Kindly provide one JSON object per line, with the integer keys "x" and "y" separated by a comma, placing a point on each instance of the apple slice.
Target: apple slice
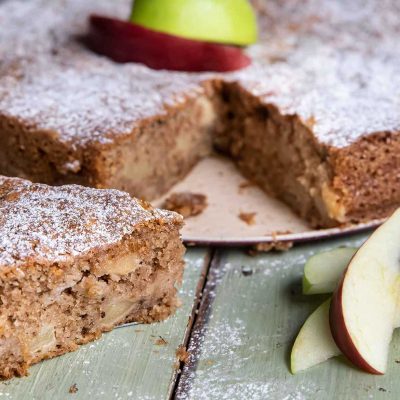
{"x": 126, "y": 42}
{"x": 363, "y": 311}
{"x": 222, "y": 21}
{"x": 314, "y": 343}
{"x": 323, "y": 271}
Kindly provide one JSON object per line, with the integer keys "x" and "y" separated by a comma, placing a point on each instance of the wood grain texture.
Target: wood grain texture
{"x": 131, "y": 362}
{"x": 252, "y": 309}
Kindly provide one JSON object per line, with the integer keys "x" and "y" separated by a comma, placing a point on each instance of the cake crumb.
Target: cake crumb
{"x": 265, "y": 247}
{"x": 248, "y": 217}
{"x": 161, "y": 341}
{"x": 187, "y": 204}
{"x": 245, "y": 185}
{"x": 73, "y": 388}
{"x": 182, "y": 354}
{"x": 275, "y": 244}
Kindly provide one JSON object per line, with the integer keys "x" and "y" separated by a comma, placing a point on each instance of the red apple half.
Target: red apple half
{"x": 124, "y": 41}
{"x": 363, "y": 310}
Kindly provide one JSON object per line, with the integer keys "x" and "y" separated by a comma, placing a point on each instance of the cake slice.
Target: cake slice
{"x": 76, "y": 262}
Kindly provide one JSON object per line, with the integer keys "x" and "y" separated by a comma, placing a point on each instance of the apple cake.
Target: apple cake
{"x": 314, "y": 120}
{"x": 76, "y": 262}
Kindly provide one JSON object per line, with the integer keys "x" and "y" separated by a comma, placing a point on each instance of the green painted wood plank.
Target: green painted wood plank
{"x": 251, "y": 311}
{"x": 123, "y": 364}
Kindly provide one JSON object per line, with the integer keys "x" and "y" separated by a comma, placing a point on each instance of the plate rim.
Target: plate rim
{"x": 299, "y": 237}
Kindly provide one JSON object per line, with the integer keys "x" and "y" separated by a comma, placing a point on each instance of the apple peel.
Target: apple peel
{"x": 125, "y": 42}
{"x": 364, "y": 306}
{"x": 221, "y": 21}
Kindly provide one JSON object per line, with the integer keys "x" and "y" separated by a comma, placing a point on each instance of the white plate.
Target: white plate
{"x": 229, "y": 195}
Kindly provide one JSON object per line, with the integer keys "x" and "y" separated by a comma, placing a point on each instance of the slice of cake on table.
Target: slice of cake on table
{"x": 76, "y": 262}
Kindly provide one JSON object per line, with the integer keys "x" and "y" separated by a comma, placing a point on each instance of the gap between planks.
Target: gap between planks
{"x": 208, "y": 264}
{"x": 201, "y": 313}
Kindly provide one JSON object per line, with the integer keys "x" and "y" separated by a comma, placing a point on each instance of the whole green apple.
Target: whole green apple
{"x": 221, "y": 21}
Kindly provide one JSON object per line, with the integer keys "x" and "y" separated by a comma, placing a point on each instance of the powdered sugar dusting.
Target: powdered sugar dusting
{"x": 89, "y": 99}
{"x": 337, "y": 62}
{"x": 55, "y": 223}
{"x": 224, "y": 346}
{"x": 48, "y": 79}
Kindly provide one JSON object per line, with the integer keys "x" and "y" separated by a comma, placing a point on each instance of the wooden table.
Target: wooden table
{"x": 239, "y": 317}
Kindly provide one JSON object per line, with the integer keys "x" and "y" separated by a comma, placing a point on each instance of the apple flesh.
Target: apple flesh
{"x": 363, "y": 310}
{"x": 314, "y": 343}
{"x": 125, "y": 42}
{"x": 221, "y": 21}
{"x": 323, "y": 271}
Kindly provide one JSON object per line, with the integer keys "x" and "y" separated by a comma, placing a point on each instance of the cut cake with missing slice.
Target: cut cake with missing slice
{"x": 314, "y": 120}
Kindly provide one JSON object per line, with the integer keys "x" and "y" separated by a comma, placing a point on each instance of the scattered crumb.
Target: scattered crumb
{"x": 161, "y": 341}
{"x": 73, "y": 388}
{"x": 182, "y": 354}
{"x": 247, "y": 271}
{"x": 381, "y": 389}
{"x": 397, "y": 361}
{"x": 265, "y": 247}
{"x": 186, "y": 203}
{"x": 273, "y": 59}
{"x": 275, "y": 234}
{"x": 139, "y": 330}
{"x": 249, "y": 218}
{"x": 275, "y": 244}
{"x": 244, "y": 185}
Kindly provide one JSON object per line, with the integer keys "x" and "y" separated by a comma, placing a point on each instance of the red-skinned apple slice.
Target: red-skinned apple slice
{"x": 126, "y": 42}
{"x": 363, "y": 311}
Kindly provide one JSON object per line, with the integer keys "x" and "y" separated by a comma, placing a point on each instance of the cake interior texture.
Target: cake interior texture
{"x": 76, "y": 262}
{"x": 324, "y": 185}
{"x": 313, "y": 121}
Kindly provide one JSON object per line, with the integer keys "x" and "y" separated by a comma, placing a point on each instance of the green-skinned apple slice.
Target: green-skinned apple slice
{"x": 363, "y": 310}
{"x": 221, "y": 21}
{"x": 314, "y": 343}
{"x": 323, "y": 271}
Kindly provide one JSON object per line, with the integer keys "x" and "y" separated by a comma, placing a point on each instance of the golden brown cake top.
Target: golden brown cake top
{"x": 53, "y": 224}
{"x": 335, "y": 63}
